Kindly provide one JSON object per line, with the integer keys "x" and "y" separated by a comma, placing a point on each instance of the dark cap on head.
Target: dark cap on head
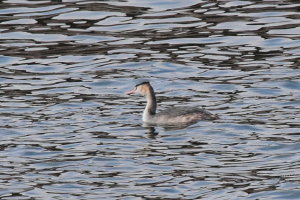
{"x": 141, "y": 82}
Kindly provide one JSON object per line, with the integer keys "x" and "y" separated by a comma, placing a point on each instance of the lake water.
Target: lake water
{"x": 68, "y": 131}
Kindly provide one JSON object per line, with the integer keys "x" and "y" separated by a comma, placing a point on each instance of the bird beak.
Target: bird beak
{"x": 130, "y": 92}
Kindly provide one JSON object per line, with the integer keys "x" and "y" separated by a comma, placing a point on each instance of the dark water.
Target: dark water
{"x": 69, "y": 132}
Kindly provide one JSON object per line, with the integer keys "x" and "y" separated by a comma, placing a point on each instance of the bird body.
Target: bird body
{"x": 182, "y": 114}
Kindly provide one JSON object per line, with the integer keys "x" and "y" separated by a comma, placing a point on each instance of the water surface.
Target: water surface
{"x": 69, "y": 131}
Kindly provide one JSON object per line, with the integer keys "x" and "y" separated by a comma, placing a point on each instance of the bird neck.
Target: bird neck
{"x": 150, "y": 109}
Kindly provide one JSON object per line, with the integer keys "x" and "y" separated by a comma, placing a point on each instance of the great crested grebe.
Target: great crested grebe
{"x": 169, "y": 116}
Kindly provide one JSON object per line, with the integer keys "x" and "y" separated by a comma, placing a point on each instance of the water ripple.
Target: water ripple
{"x": 69, "y": 131}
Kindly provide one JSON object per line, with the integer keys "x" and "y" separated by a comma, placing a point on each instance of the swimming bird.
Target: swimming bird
{"x": 174, "y": 115}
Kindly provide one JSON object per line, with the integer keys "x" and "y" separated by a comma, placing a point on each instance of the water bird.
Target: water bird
{"x": 174, "y": 115}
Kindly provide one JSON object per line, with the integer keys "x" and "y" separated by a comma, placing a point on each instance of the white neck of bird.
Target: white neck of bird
{"x": 150, "y": 109}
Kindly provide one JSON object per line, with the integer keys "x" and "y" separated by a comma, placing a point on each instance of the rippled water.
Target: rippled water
{"x": 68, "y": 131}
